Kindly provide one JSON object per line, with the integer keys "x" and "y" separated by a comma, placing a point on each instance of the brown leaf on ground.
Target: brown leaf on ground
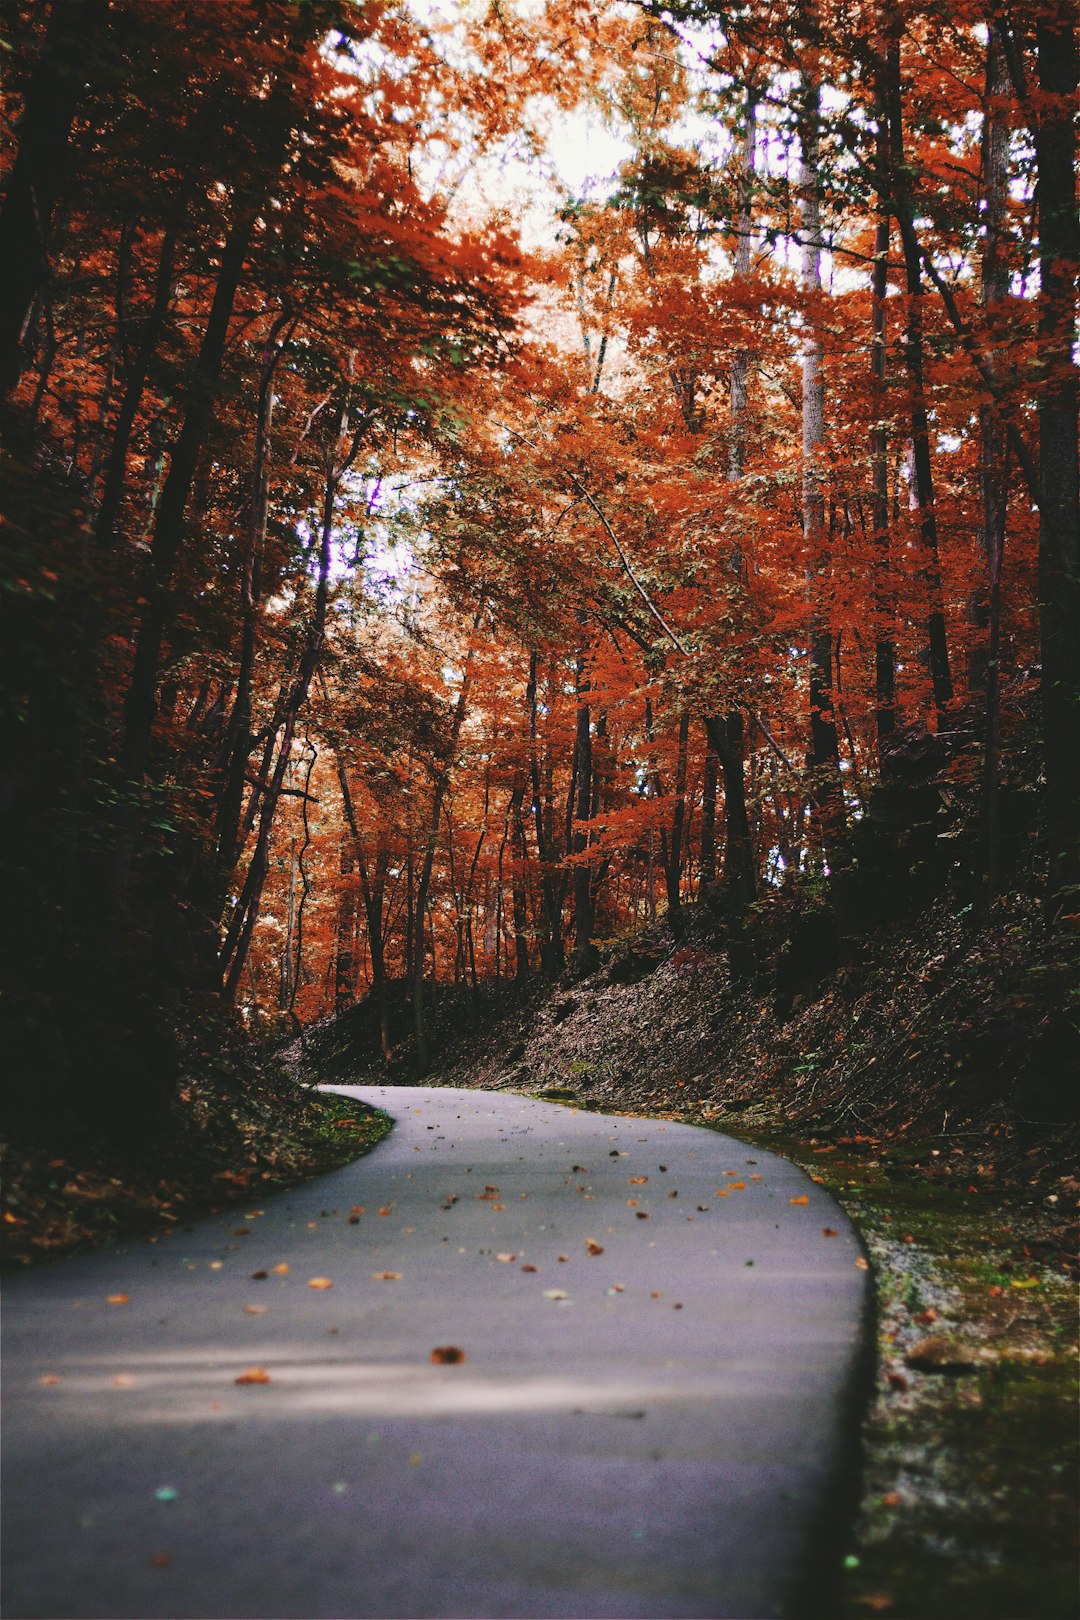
{"x": 829, "y": 1231}
{"x": 377, "y": 1276}
{"x": 638, "y": 1181}
{"x": 863, "y": 1265}
{"x": 118, "y": 1299}
{"x": 642, "y": 1214}
{"x": 387, "y": 1209}
{"x": 254, "y": 1375}
{"x": 447, "y": 1355}
{"x": 255, "y": 1310}
{"x": 320, "y": 1282}
{"x": 803, "y": 1198}
{"x": 592, "y": 1247}
{"x": 528, "y": 1268}
{"x": 259, "y": 1276}
{"x": 280, "y": 1271}
{"x": 49, "y": 1380}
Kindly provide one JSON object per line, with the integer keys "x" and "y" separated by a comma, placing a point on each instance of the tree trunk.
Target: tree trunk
{"x": 922, "y": 486}
{"x": 73, "y": 38}
{"x": 1059, "y": 515}
{"x": 112, "y": 488}
{"x": 824, "y": 746}
{"x": 884, "y": 603}
{"x": 585, "y": 952}
{"x": 441, "y": 784}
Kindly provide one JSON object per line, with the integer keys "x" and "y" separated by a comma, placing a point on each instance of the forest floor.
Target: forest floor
{"x": 237, "y": 1134}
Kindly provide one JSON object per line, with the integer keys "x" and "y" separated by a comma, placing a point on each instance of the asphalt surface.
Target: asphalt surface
{"x": 654, "y": 1425}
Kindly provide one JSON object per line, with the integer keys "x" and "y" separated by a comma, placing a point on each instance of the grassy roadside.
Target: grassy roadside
{"x": 969, "y": 1494}
{"x": 232, "y": 1141}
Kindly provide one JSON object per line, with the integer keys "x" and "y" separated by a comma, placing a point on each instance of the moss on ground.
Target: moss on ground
{"x": 969, "y": 1499}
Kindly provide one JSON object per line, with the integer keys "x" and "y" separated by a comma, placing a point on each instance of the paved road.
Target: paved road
{"x": 651, "y": 1429}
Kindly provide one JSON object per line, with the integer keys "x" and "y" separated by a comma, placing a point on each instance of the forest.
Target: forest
{"x": 418, "y": 571}
{"x": 541, "y": 552}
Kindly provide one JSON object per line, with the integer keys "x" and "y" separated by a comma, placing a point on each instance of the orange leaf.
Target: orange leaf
{"x": 281, "y": 1270}
{"x": 379, "y": 1276}
{"x": 254, "y": 1375}
{"x": 592, "y": 1247}
{"x": 447, "y": 1355}
{"x": 802, "y": 1199}
{"x": 320, "y": 1282}
{"x": 118, "y": 1299}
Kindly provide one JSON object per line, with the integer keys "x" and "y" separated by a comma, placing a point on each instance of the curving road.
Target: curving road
{"x": 654, "y": 1425}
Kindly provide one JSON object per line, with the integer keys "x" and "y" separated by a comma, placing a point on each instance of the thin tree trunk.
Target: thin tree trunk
{"x": 585, "y": 952}
{"x": 884, "y": 603}
{"x": 1059, "y": 514}
{"x": 112, "y": 488}
{"x": 922, "y": 464}
{"x": 824, "y": 746}
{"x": 441, "y": 784}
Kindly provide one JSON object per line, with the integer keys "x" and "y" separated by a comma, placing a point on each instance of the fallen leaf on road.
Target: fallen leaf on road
{"x": 254, "y": 1375}
{"x": 387, "y": 1209}
{"x": 260, "y": 1276}
{"x": 564, "y": 1257}
{"x": 356, "y": 1209}
{"x": 556, "y": 1293}
{"x": 280, "y": 1271}
{"x": 320, "y": 1282}
{"x": 378, "y": 1276}
{"x": 802, "y": 1199}
{"x": 528, "y": 1268}
{"x": 447, "y": 1355}
{"x": 48, "y": 1380}
{"x": 122, "y": 1381}
{"x": 721, "y": 1192}
{"x": 216, "y": 1265}
{"x": 638, "y": 1181}
{"x": 506, "y": 1258}
{"x": 592, "y": 1247}
{"x": 118, "y": 1299}
{"x": 641, "y": 1214}
{"x": 354, "y": 1220}
{"x": 703, "y": 1209}
{"x": 241, "y": 1231}
{"x": 618, "y": 1288}
{"x": 254, "y": 1310}
{"x": 863, "y": 1265}
{"x": 656, "y": 1296}
{"x": 737, "y": 1186}
{"x": 829, "y": 1231}
{"x": 415, "y": 1460}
